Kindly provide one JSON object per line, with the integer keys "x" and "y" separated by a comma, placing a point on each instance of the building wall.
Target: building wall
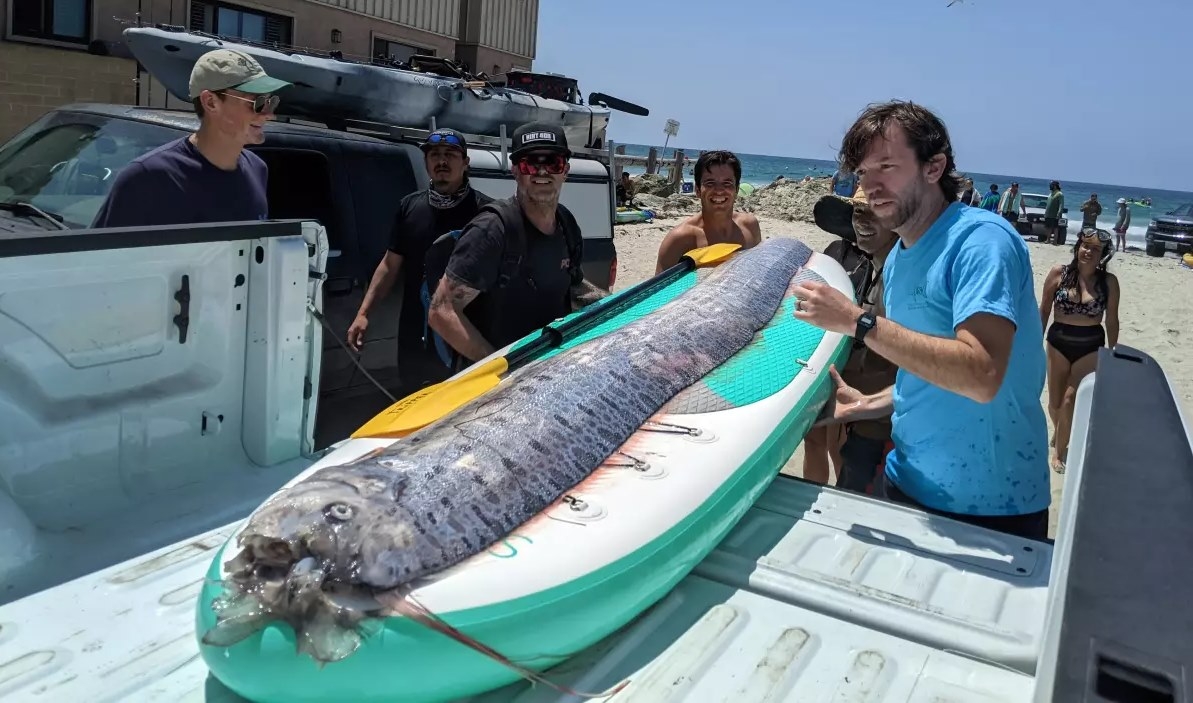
{"x": 35, "y": 79}
{"x": 36, "y": 76}
{"x": 440, "y": 17}
{"x": 508, "y": 28}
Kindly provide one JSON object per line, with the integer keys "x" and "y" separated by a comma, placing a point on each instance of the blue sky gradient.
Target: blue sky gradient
{"x": 1087, "y": 90}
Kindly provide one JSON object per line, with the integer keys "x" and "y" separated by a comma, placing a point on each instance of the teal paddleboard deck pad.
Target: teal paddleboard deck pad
{"x": 610, "y": 548}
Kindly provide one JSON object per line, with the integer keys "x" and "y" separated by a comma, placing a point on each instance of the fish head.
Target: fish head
{"x": 330, "y": 517}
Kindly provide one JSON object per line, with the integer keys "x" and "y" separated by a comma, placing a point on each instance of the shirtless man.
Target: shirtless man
{"x": 718, "y": 176}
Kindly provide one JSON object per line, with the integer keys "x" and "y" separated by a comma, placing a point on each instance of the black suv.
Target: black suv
{"x": 1172, "y": 231}
{"x": 62, "y": 166}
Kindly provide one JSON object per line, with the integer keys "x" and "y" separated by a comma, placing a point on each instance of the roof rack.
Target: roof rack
{"x": 418, "y": 134}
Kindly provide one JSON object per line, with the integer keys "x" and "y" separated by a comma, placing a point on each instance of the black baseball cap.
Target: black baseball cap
{"x": 539, "y": 136}
{"x": 448, "y": 137}
{"x": 834, "y": 214}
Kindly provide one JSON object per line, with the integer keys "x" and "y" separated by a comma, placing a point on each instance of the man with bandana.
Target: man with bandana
{"x": 448, "y": 204}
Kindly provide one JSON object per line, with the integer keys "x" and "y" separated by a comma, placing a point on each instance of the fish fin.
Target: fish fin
{"x": 228, "y": 631}
{"x": 326, "y": 640}
{"x": 418, "y": 613}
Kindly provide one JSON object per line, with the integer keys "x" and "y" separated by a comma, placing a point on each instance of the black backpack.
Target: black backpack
{"x": 513, "y": 224}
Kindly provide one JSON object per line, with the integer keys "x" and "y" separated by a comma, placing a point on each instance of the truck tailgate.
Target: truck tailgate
{"x": 817, "y": 594}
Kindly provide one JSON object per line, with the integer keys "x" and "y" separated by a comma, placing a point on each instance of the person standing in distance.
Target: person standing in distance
{"x": 449, "y": 203}
{"x": 207, "y": 176}
{"x": 961, "y": 324}
{"x": 516, "y": 266}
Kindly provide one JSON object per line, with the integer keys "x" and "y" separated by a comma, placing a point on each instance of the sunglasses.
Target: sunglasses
{"x": 261, "y": 103}
{"x": 555, "y": 164}
{"x": 444, "y": 139}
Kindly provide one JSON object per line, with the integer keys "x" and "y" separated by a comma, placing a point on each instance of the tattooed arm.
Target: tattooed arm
{"x": 446, "y": 317}
{"x": 585, "y": 293}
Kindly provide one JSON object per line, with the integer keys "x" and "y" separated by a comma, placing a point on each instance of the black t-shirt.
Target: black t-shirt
{"x": 537, "y": 295}
{"x": 175, "y": 184}
{"x": 417, "y": 225}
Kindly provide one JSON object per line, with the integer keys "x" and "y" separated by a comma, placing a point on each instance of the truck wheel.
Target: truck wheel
{"x": 1154, "y": 249}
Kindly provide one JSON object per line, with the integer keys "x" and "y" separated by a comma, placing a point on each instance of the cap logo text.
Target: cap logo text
{"x": 535, "y": 136}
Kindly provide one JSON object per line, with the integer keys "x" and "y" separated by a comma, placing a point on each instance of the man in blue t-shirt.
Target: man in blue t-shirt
{"x": 963, "y": 326}
{"x": 207, "y": 176}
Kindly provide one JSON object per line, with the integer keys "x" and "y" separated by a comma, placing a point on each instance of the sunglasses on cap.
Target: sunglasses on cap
{"x": 444, "y": 139}
{"x": 529, "y": 165}
{"x": 261, "y": 103}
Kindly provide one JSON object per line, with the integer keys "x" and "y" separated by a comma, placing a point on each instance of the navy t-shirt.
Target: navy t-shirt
{"x": 175, "y": 184}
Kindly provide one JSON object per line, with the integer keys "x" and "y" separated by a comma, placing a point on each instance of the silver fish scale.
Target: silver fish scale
{"x": 471, "y": 478}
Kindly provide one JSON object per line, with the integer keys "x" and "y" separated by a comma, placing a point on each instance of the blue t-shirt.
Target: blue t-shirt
{"x": 846, "y": 182}
{"x": 952, "y": 453}
{"x": 175, "y": 184}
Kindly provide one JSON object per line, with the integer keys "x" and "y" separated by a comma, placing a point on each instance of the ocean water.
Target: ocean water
{"x": 759, "y": 170}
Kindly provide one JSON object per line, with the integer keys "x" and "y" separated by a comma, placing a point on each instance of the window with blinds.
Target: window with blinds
{"x": 227, "y": 20}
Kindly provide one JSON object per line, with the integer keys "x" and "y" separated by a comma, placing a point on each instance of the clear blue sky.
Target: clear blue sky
{"x": 1087, "y": 90}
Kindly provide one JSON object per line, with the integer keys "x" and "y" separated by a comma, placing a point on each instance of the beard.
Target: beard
{"x": 907, "y": 203}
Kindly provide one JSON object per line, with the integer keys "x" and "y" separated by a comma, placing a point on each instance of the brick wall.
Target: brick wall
{"x": 34, "y": 79}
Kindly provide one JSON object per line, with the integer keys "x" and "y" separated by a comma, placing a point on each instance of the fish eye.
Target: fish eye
{"x": 340, "y": 512}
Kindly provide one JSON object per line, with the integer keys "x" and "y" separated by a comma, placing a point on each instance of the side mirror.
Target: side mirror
{"x": 1065, "y": 211}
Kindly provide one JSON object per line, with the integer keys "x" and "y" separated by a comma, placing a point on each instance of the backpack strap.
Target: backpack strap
{"x": 573, "y": 237}
{"x": 444, "y": 244}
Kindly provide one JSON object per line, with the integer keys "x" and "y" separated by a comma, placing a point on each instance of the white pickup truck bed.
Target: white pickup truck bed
{"x": 817, "y": 594}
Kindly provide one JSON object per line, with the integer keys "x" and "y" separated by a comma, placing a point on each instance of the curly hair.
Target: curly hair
{"x": 926, "y": 135}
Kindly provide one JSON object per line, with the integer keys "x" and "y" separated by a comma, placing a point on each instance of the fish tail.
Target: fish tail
{"x": 419, "y": 613}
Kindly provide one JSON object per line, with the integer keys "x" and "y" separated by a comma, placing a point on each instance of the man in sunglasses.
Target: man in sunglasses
{"x": 516, "y": 266}
{"x": 207, "y": 176}
{"x": 448, "y": 204}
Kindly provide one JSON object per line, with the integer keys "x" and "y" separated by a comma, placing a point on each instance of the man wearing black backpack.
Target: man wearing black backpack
{"x": 516, "y": 266}
{"x": 447, "y": 204}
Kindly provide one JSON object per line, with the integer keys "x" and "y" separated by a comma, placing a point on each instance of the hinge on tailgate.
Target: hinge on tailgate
{"x": 183, "y": 318}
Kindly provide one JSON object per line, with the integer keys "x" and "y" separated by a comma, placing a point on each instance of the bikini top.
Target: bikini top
{"x": 1068, "y": 306}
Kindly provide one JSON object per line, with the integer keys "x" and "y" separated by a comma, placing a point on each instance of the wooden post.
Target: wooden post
{"x": 652, "y": 159}
{"x": 677, "y": 170}
{"x": 619, "y": 167}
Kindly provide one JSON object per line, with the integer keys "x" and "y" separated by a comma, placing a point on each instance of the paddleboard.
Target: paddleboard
{"x": 626, "y": 215}
{"x": 590, "y": 563}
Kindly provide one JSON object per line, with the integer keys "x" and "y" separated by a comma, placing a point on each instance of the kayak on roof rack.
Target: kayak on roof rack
{"x": 437, "y": 94}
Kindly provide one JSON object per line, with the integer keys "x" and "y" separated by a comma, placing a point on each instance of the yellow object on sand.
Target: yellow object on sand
{"x": 427, "y": 405}
{"x": 1188, "y": 259}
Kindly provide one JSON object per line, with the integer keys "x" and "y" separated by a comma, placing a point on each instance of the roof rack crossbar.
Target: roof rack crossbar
{"x": 420, "y": 133}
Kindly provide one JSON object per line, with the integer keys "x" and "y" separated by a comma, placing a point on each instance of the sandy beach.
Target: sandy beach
{"x": 1150, "y": 314}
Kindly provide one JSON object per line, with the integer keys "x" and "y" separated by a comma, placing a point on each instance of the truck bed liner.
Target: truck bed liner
{"x": 814, "y": 588}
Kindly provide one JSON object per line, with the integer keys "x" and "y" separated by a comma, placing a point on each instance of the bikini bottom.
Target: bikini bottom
{"x": 1075, "y": 341}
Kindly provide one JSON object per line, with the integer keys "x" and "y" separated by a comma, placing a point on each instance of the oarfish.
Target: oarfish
{"x": 318, "y": 553}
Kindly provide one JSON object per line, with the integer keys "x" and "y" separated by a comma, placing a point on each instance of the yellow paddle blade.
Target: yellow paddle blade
{"x": 427, "y": 405}
{"x": 713, "y": 253}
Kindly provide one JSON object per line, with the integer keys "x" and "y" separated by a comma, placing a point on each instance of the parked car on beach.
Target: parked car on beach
{"x": 1172, "y": 231}
{"x": 1031, "y": 222}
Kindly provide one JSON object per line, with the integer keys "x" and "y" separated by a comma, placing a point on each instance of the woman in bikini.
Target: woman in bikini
{"x": 1081, "y": 293}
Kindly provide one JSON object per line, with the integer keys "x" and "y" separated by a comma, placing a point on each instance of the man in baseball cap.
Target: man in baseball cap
{"x": 516, "y": 266}
{"x": 538, "y": 137}
{"x": 207, "y": 176}
{"x": 225, "y": 69}
{"x": 857, "y": 449}
{"x": 420, "y": 239}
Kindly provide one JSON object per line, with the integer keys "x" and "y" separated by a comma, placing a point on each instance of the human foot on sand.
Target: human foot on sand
{"x": 1058, "y": 464}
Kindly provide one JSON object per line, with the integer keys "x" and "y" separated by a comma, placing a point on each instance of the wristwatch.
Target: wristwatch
{"x": 865, "y": 323}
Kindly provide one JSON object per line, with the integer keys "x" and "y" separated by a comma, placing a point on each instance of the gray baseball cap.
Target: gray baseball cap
{"x": 224, "y": 68}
